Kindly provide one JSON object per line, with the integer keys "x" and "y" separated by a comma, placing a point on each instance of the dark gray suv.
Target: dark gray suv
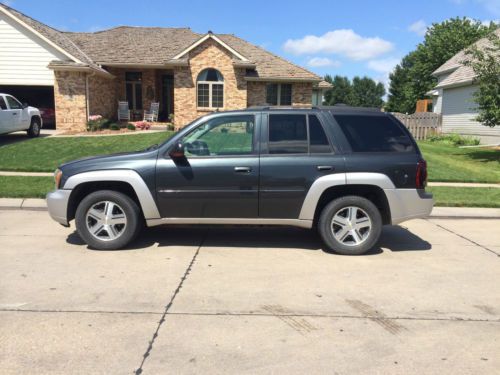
{"x": 345, "y": 171}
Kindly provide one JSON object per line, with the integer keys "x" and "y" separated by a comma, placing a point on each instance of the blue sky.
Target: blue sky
{"x": 337, "y": 37}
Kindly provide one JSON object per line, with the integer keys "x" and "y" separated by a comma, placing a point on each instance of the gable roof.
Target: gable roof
{"x": 459, "y": 74}
{"x": 52, "y": 36}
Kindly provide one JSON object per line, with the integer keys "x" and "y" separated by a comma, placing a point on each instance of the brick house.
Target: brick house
{"x": 188, "y": 73}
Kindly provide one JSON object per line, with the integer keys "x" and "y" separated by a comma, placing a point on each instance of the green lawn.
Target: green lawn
{"x": 25, "y": 187}
{"x": 452, "y": 164}
{"x": 465, "y": 197}
{"x": 45, "y": 154}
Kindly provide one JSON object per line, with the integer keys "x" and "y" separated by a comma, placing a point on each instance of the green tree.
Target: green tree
{"x": 340, "y": 92}
{"x": 367, "y": 93}
{"x": 412, "y": 78}
{"x": 485, "y": 62}
{"x": 361, "y": 92}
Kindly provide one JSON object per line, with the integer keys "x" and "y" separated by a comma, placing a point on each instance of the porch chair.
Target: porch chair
{"x": 123, "y": 111}
{"x": 152, "y": 114}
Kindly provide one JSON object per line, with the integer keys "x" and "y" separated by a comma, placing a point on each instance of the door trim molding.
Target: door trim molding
{"x": 230, "y": 221}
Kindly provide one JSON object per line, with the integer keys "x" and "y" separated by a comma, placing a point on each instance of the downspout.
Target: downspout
{"x": 87, "y": 92}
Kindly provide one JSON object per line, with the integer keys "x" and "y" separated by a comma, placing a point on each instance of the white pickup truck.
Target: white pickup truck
{"x": 15, "y": 116}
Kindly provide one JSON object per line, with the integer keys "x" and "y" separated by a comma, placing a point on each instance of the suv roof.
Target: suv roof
{"x": 338, "y": 108}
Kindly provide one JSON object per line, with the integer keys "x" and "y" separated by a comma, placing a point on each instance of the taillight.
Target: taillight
{"x": 421, "y": 178}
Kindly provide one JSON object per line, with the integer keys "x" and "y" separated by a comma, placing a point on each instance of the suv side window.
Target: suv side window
{"x": 367, "y": 133}
{"x": 220, "y": 136}
{"x": 2, "y": 103}
{"x": 318, "y": 141}
{"x": 13, "y": 103}
{"x": 288, "y": 134}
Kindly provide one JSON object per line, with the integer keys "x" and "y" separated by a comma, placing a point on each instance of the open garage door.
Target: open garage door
{"x": 41, "y": 97}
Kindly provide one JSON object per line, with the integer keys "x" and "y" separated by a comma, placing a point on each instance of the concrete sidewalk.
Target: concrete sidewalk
{"x": 437, "y": 212}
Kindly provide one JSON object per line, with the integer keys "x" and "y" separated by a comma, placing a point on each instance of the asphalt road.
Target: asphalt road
{"x": 249, "y": 300}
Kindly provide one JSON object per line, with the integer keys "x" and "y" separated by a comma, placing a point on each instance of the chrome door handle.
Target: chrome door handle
{"x": 325, "y": 168}
{"x": 242, "y": 169}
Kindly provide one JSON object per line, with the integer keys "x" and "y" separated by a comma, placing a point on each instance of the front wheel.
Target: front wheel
{"x": 108, "y": 220}
{"x": 350, "y": 225}
{"x": 35, "y": 127}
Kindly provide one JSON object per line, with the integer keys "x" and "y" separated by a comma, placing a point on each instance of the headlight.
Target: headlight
{"x": 57, "y": 177}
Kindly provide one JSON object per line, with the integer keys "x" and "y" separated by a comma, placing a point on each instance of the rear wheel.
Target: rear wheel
{"x": 35, "y": 127}
{"x": 108, "y": 220}
{"x": 350, "y": 225}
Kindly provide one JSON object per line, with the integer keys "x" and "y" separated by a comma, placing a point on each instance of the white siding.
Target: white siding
{"x": 437, "y": 102}
{"x": 458, "y": 109}
{"x": 24, "y": 56}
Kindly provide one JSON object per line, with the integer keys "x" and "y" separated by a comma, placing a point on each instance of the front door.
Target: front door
{"x": 167, "y": 97}
{"x": 219, "y": 176}
{"x": 296, "y": 151}
{"x": 16, "y": 114}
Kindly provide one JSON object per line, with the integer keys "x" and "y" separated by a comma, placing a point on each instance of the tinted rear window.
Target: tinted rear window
{"x": 374, "y": 134}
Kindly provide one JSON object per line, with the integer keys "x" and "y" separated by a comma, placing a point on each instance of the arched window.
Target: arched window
{"x": 210, "y": 89}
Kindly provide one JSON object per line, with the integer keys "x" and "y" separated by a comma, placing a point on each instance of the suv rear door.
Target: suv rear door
{"x": 297, "y": 148}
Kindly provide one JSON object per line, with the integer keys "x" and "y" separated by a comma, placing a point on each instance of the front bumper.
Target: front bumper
{"x": 407, "y": 204}
{"x": 57, "y": 203}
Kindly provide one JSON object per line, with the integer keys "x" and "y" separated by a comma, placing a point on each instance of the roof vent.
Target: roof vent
{"x": 210, "y": 32}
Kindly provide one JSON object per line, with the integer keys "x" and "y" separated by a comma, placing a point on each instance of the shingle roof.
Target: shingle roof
{"x": 459, "y": 73}
{"x": 156, "y": 45}
{"x": 55, "y": 36}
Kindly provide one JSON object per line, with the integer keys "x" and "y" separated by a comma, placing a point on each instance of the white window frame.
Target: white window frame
{"x": 278, "y": 101}
{"x": 210, "y": 89}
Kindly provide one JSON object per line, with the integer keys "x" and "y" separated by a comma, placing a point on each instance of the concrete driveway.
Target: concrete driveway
{"x": 249, "y": 300}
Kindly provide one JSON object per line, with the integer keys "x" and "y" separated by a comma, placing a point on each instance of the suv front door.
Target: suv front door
{"x": 218, "y": 178}
{"x": 296, "y": 150}
{"x": 16, "y": 111}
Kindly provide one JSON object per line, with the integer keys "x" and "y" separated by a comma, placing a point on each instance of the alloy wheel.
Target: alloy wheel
{"x": 106, "y": 220}
{"x": 351, "y": 226}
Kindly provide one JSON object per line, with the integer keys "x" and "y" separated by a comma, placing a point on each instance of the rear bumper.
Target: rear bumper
{"x": 406, "y": 204}
{"x": 57, "y": 203}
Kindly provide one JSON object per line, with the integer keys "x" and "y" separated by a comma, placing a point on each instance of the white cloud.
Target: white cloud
{"x": 318, "y": 62}
{"x": 343, "y": 42}
{"x": 383, "y": 65}
{"x": 419, "y": 27}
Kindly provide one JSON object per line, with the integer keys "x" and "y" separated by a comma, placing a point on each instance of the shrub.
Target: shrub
{"x": 142, "y": 125}
{"x": 454, "y": 139}
{"x": 114, "y": 127}
{"x": 97, "y": 122}
{"x": 170, "y": 126}
{"x": 130, "y": 126}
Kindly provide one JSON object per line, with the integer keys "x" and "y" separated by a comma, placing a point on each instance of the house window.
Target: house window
{"x": 210, "y": 89}
{"x": 133, "y": 88}
{"x": 279, "y": 94}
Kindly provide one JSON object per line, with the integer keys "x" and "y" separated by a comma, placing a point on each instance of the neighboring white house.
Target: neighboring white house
{"x": 452, "y": 97}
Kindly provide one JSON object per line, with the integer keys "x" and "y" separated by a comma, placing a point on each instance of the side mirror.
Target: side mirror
{"x": 25, "y": 105}
{"x": 177, "y": 151}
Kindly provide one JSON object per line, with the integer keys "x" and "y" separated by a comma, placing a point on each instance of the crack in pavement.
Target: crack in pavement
{"x": 168, "y": 306}
{"x": 257, "y": 314}
{"x": 465, "y": 238}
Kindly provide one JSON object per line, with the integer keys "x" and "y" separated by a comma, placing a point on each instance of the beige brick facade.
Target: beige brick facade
{"x": 207, "y": 55}
{"x": 70, "y": 100}
{"x": 102, "y": 96}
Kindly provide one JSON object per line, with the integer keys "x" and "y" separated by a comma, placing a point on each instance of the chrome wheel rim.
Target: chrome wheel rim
{"x": 351, "y": 226}
{"x": 36, "y": 128}
{"x": 106, "y": 221}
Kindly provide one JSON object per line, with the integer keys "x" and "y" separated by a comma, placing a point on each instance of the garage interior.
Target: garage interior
{"x": 41, "y": 97}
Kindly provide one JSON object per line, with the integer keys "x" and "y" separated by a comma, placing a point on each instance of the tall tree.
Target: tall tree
{"x": 340, "y": 92}
{"x": 412, "y": 78}
{"x": 361, "y": 92}
{"x": 486, "y": 65}
{"x": 367, "y": 93}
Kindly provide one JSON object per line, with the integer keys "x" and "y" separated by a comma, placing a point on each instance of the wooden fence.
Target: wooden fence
{"x": 421, "y": 124}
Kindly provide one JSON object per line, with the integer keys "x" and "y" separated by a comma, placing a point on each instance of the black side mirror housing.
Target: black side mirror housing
{"x": 177, "y": 151}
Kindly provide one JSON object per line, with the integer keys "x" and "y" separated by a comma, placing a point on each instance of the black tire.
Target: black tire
{"x": 132, "y": 212}
{"x": 35, "y": 127}
{"x": 325, "y": 225}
